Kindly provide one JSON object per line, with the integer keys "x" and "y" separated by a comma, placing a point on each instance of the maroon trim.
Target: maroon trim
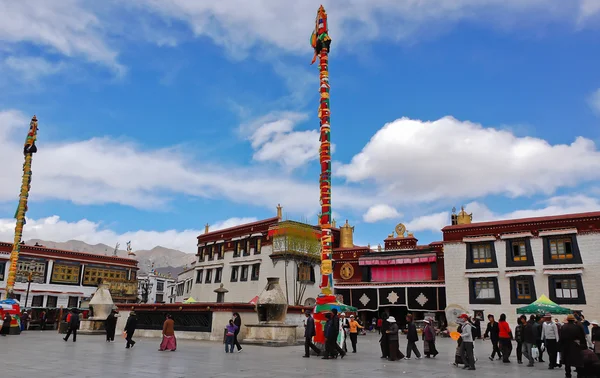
{"x": 584, "y": 222}
{"x": 231, "y": 232}
{"x": 29, "y": 250}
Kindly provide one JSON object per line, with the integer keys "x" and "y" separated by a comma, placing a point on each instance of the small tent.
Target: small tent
{"x": 543, "y": 306}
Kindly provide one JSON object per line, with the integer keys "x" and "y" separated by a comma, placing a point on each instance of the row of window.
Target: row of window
{"x": 563, "y": 289}
{"x": 238, "y": 273}
{"x": 240, "y": 248}
{"x": 51, "y": 301}
{"x": 556, "y": 250}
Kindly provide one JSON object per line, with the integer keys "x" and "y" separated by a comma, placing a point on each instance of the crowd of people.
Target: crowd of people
{"x": 570, "y": 343}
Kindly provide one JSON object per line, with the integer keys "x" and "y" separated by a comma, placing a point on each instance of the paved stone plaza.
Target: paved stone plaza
{"x": 44, "y": 354}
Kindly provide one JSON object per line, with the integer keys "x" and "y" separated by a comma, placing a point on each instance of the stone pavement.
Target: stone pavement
{"x": 43, "y": 354}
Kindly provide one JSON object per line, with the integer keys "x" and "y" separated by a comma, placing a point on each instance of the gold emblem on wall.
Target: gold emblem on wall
{"x": 347, "y": 271}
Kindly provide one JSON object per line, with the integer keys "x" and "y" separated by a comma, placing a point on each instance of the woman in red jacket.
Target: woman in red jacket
{"x": 505, "y": 336}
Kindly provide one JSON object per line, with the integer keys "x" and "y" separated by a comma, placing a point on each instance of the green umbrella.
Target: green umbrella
{"x": 544, "y": 306}
{"x": 327, "y": 307}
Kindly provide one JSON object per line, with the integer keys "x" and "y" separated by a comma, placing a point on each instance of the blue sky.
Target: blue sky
{"x": 157, "y": 117}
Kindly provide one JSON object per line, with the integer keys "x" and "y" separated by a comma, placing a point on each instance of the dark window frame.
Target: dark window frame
{"x": 510, "y": 260}
{"x": 201, "y": 254}
{"x": 40, "y": 298}
{"x": 566, "y": 301}
{"x": 211, "y": 253}
{"x": 199, "y": 274}
{"x": 244, "y": 268}
{"x": 576, "y": 259}
{"x": 474, "y": 300}
{"x": 235, "y": 274}
{"x": 208, "y": 276}
{"x": 218, "y": 275}
{"x": 2, "y": 270}
{"x": 247, "y": 245}
{"x": 255, "y": 275}
{"x": 236, "y": 248}
{"x": 221, "y": 251}
{"x": 257, "y": 245}
{"x": 471, "y": 265}
{"x": 514, "y": 297}
{"x": 55, "y": 299}
{"x": 76, "y": 301}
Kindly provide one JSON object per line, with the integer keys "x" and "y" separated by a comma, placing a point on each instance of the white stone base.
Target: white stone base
{"x": 92, "y": 327}
{"x": 271, "y": 334}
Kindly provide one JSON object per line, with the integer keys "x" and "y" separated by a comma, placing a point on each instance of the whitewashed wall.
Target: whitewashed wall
{"x": 457, "y": 284}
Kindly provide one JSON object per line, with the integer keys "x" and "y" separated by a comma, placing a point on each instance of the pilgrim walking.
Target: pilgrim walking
{"x": 429, "y": 348}
{"x": 237, "y": 321}
{"x": 169, "y": 342}
{"x": 309, "y": 332}
{"x": 466, "y": 346}
{"x": 73, "y": 325}
{"x": 412, "y": 338}
{"x": 354, "y": 327}
{"x": 383, "y": 341}
{"x": 393, "y": 343}
{"x": 130, "y": 329}
{"x": 111, "y": 326}
{"x": 493, "y": 333}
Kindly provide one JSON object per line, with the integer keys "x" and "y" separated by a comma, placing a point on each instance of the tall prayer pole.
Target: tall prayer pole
{"x": 321, "y": 43}
{"x": 28, "y": 150}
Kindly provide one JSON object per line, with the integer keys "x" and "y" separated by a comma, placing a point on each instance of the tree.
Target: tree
{"x": 300, "y": 244}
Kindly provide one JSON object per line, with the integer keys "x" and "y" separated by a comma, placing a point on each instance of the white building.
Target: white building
{"x": 153, "y": 287}
{"x": 241, "y": 258}
{"x": 181, "y": 289}
{"x": 497, "y": 267}
{"x": 61, "y": 278}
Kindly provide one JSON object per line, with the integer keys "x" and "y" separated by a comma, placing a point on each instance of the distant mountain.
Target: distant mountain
{"x": 168, "y": 260}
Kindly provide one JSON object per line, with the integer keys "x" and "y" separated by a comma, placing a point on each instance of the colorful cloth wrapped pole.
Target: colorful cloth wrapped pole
{"x": 29, "y": 149}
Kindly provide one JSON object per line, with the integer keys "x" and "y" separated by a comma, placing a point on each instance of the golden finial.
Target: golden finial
{"x": 279, "y": 212}
{"x": 206, "y": 226}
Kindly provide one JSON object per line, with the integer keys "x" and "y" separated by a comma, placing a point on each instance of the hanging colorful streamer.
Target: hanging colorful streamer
{"x": 321, "y": 43}
{"x": 29, "y": 149}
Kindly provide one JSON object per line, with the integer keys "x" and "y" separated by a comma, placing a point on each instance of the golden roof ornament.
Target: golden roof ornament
{"x": 279, "y": 211}
{"x": 463, "y": 217}
{"x": 400, "y": 230}
{"x": 346, "y": 235}
{"x": 206, "y": 226}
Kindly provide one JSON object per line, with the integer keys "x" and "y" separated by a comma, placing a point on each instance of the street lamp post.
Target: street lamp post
{"x": 29, "y": 280}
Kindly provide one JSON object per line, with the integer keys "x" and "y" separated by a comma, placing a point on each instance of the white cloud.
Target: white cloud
{"x": 68, "y": 27}
{"x": 57, "y": 230}
{"x": 380, "y": 212}
{"x": 103, "y": 170}
{"x": 32, "y": 68}
{"x": 432, "y": 222}
{"x": 447, "y": 158}
{"x": 558, "y": 205}
{"x": 594, "y": 99}
{"x": 274, "y": 139}
{"x": 240, "y": 25}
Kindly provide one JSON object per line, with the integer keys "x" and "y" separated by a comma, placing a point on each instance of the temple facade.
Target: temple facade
{"x": 496, "y": 267}
{"x": 61, "y": 278}
{"x": 233, "y": 264}
{"x": 399, "y": 278}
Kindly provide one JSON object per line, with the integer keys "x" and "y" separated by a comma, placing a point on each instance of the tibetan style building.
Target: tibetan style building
{"x": 400, "y": 278}
{"x": 233, "y": 264}
{"x": 66, "y": 278}
{"x": 496, "y": 267}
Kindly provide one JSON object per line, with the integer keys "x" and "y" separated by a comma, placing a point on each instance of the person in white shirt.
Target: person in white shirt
{"x": 550, "y": 338}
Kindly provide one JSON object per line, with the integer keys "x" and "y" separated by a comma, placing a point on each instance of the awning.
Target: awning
{"x": 400, "y": 260}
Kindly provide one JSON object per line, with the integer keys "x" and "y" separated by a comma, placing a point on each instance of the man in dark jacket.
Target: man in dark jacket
{"x": 237, "y": 321}
{"x": 111, "y": 326}
{"x": 335, "y": 332}
{"x": 412, "y": 338}
{"x": 519, "y": 338}
{"x": 130, "y": 328}
{"x": 384, "y": 340}
{"x": 493, "y": 332}
{"x": 572, "y": 343}
{"x": 309, "y": 333}
{"x": 528, "y": 338}
{"x": 73, "y": 325}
